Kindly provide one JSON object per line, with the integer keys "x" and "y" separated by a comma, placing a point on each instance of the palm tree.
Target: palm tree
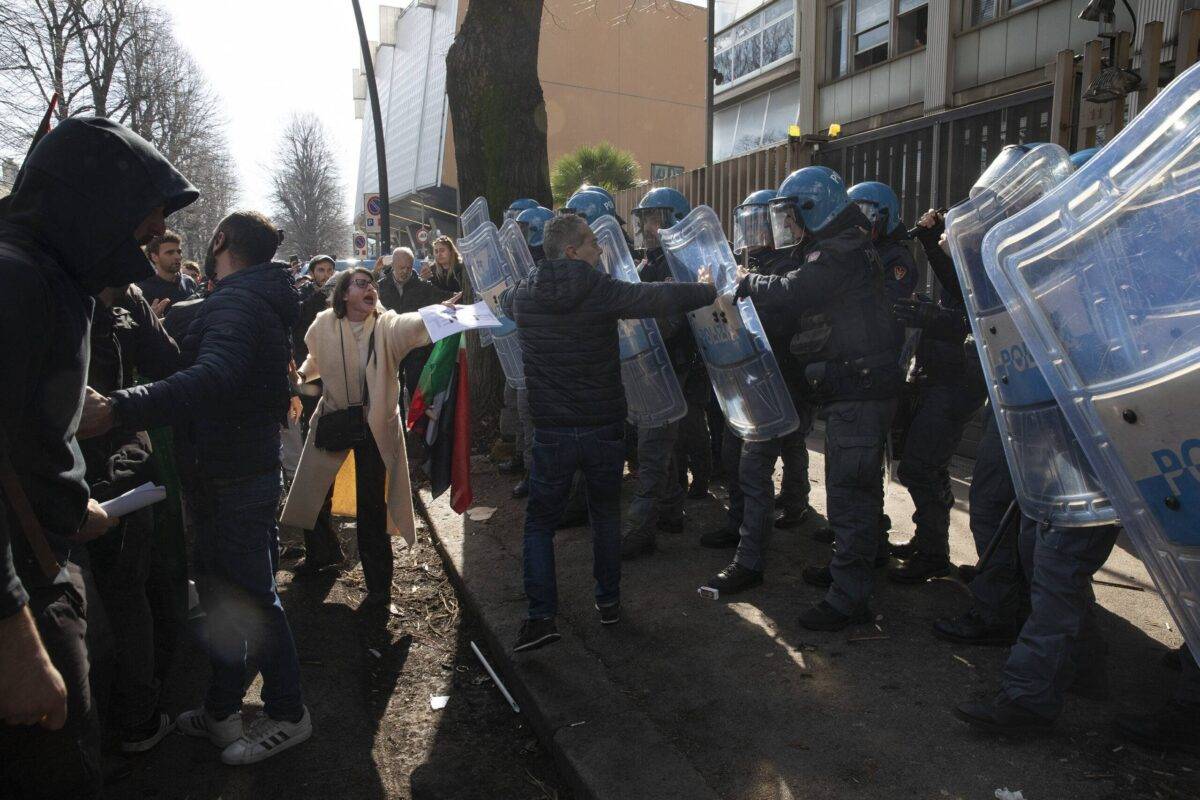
{"x": 601, "y": 165}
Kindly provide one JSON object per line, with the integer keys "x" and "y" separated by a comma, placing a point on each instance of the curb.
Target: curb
{"x": 603, "y": 745}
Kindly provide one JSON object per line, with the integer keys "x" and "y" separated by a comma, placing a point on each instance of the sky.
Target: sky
{"x": 268, "y": 59}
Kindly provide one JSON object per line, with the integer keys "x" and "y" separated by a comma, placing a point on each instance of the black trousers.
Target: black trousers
{"x": 35, "y": 762}
{"x": 374, "y": 544}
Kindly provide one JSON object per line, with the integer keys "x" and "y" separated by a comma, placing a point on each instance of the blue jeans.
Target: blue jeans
{"x": 237, "y": 554}
{"x": 599, "y": 453}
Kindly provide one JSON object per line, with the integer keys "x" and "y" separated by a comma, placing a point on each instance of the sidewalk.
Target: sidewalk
{"x": 690, "y": 698}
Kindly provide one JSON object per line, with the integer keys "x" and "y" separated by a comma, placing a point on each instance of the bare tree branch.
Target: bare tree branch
{"x": 307, "y": 190}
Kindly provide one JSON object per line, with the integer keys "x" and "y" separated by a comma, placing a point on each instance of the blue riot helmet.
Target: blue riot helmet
{"x": 1083, "y": 156}
{"x": 808, "y": 200}
{"x": 589, "y": 187}
{"x": 752, "y": 222}
{"x": 591, "y": 205}
{"x": 533, "y": 224}
{"x": 880, "y": 205}
{"x": 659, "y": 209}
{"x": 517, "y": 206}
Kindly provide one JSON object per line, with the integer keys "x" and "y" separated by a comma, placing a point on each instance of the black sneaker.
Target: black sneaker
{"x": 733, "y": 579}
{"x": 536, "y": 633}
{"x": 512, "y": 466}
{"x": 793, "y": 518}
{"x": 919, "y": 569}
{"x": 148, "y": 734}
{"x": 972, "y": 628}
{"x": 720, "y": 539}
{"x": 1174, "y": 727}
{"x": 824, "y": 534}
{"x": 1002, "y": 716}
{"x": 610, "y": 614}
{"x": 903, "y": 551}
{"x": 824, "y": 617}
{"x": 521, "y": 489}
{"x": 817, "y": 576}
{"x": 637, "y": 544}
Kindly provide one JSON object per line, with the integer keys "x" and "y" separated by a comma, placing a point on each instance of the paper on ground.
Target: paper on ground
{"x": 480, "y": 513}
{"x": 438, "y": 701}
{"x": 442, "y": 321}
{"x": 135, "y": 499}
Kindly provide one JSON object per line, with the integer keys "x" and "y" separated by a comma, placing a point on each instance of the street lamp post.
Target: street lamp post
{"x": 385, "y": 223}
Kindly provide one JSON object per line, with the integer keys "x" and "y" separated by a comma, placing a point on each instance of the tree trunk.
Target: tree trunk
{"x": 499, "y": 118}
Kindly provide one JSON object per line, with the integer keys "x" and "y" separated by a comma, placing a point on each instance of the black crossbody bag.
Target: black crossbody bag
{"x": 343, "y": 429}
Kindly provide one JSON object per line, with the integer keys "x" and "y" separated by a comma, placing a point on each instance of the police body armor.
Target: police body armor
{"x": 741, "y": 366}
{"x": 1051, "y": 475}
{"x": 491, "y": 273}
{"x": 652, "y": 392}
{"x": 849, "y": 349}
{"x": 1102, "y": 278}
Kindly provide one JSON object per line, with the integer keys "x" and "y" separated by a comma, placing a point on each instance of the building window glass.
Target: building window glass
{"x": 757, "y": 42}
{"x": 862, "y": 33}
{"x": 660, "y": 172}
{"x": 758, "y": 122}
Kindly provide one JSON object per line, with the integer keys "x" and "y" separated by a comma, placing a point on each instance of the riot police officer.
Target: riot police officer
{"x": 847, "y": 346}
{"x": 517, "y": 206}
{"x": 946, "y": 393}
{"x": 658, "y": 498}
{"x": 754, "y": 245}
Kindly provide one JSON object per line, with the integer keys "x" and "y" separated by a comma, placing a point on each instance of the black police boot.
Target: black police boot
{"x": 903, "y": 551}
{"x": 735, "y": 578}
{"x": 824, "y": 617}
{"x": 512, "y": 466}
{"x": 521, "y": 489}
{"x": 536, "y": 633}
{"x": 720, "y": 539}
{"x": 794, "y": 517}
{"x": 1091, "y": 684}
{"x": 1001, "y": 715}
{"x": 1175, "y": 727}
{"x": 920, "y": 568}
{"x": 971, "y": 628}
{"x": 817, "y": 576}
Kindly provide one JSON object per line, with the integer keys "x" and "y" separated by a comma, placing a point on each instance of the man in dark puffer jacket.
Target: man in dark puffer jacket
{"x": 566, "y": 313}
{"x": 235, "y": 393}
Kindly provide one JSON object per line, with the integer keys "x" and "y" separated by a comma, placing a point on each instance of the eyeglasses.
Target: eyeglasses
{"x": 362, "y": 283}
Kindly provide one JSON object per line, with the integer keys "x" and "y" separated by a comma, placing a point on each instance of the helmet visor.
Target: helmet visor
{"x": 787, "y": 227}
{"x": 647, "y": 222}
{"x": 751, "y": 228}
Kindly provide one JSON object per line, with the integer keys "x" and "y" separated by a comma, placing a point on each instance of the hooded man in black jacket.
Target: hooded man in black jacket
{"x": 89, "y": 195}
{"x": 566, "y": 312}
{"x": 234, "y": 391}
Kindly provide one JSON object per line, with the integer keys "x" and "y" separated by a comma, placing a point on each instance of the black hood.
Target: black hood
{"x": 270, "y": 281}
{"x": 82, "y": 193}
{"x": 563, "y": 284}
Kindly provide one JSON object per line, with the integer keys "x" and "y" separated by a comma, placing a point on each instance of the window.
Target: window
{"x": 977, "y": 12}
{"x": 757, "y": 122}
{"x": 660, "y": 172}
{"x": 862, "y": 33}
{"x": 757, "y": 42}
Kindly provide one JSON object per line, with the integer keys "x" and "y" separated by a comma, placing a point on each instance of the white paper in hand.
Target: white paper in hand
{"x": 134, "y": 500}
{"x": 442, "y": 321}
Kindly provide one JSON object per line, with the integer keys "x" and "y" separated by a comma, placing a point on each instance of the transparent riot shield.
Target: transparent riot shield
{"x": 652, "y": 391}
{"x": 476, "y": 214}
{"x": 1051, "y": 475}
{"x": 1103, "y": 279}
{"x": 490, "y": 275}
{"x": 515, "y": 249}
{"x": 741, "y": 366}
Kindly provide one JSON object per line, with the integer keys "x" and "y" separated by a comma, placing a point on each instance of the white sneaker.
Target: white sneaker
{"x": 221, "y": 732}
{"x": 267, "y": 737}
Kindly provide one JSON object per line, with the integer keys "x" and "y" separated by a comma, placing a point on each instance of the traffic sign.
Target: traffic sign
{"x": 372, "y": 213}
{"x": 422, "y": 236}
{"x": 360, "y": 244}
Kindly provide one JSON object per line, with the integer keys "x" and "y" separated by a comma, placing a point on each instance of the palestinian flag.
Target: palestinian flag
{"x": 440, "y": 414}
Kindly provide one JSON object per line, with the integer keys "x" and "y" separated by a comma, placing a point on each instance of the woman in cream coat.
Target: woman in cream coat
{"x": 371, "y": 344}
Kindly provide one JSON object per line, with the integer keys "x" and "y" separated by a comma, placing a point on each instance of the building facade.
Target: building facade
{"x": 925, "y": 92}
{"x": 611, "y": 71}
